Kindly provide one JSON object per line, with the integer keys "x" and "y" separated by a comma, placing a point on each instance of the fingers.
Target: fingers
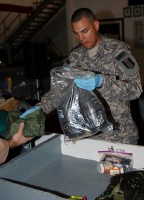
{"x": 19, "y": 138}
{"x": 21, "y": 127}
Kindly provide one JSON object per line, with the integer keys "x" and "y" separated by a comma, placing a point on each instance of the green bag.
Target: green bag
{"x": 34, "y": 124}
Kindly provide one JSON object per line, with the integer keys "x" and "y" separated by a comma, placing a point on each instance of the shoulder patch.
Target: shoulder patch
{"x": 127, "y": 61}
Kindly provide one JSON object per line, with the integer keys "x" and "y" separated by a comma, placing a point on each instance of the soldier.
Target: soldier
{"x": 117, "y": 78}
{"x": 117, "y": 73}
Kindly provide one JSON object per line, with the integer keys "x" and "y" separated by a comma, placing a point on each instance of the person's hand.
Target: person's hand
{"x": 89, "y": 83}
{"x": 4, "y": 150}
{"x": 29, "y": 111}
{"x": 18, "y": 139}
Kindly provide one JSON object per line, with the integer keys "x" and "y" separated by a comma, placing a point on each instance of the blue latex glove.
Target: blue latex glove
{"x": 89, "y": 83}
{"x": 29, "y": 111}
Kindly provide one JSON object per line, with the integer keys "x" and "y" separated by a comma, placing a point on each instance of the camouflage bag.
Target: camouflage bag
{"x": 34, "y": 124}
{"x": 127, "y": 186}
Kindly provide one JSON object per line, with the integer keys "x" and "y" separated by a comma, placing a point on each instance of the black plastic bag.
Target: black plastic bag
{"x": 81, "y": 114}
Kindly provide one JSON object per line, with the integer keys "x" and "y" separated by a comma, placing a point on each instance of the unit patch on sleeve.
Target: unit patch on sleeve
{"x": 128, "y": 63}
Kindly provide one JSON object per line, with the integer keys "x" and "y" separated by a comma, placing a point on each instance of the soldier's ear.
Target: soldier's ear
{"x": 96, "y": 25}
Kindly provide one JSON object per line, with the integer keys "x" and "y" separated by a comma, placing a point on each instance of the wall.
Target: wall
{"x": 14, "y": 2}
{"x": 12, "y": 16}
{"x": 106, "y": 9}
{"x": 138, "y": 50}
{"x": 18, "y": 2}
{"x": 55, "y": 28}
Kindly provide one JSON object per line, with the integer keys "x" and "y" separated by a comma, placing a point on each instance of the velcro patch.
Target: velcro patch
{"x": 128, "y": 63}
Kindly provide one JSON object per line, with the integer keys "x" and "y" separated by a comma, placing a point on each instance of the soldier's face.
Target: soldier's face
{"x": 86, "y": 32}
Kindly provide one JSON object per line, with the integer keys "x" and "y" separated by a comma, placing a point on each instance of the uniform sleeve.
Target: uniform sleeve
{"x": 128, "y": 89}
{"x": 47, "y": 102}
{"x": 126, "y": 84}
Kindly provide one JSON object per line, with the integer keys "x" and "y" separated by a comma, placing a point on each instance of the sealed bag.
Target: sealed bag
{"x": 81, "y": 113}
{"x": 114, "y": 162}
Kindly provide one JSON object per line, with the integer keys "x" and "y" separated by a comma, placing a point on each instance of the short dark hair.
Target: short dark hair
{"x": 83, "y": 12}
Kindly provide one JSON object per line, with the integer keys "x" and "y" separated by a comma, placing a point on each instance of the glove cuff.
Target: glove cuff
{"x": 100, "y": 80}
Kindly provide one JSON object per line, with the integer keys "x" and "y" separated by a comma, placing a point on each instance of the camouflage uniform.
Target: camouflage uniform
{"x": 118, "y": 88}
{"x": 120, "y": 85}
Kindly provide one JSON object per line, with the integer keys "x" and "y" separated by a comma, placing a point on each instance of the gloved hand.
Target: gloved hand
{"x": 89, "y": 83}
{"x": 29, "y": 111}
